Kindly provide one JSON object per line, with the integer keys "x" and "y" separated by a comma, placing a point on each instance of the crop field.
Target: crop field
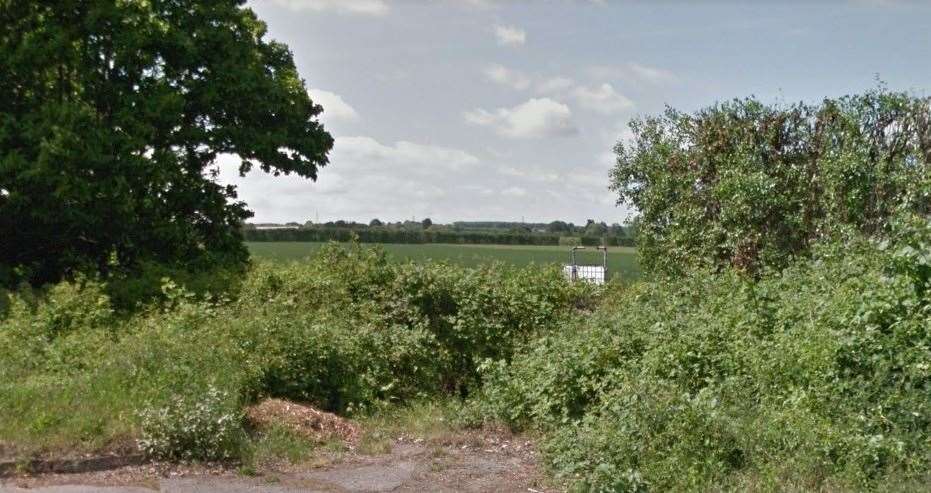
{"x": 622, "y": 261}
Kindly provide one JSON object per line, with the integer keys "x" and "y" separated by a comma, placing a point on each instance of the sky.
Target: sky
{"x": 509, "y": 110}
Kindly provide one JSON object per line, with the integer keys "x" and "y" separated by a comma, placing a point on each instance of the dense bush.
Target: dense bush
{"x": 815, "y": 377}
{"x": 346, "y": 330}
{"x": 749, "y": 185}
{"x": 193, "y": 426}
{"x": 356, "y": 328}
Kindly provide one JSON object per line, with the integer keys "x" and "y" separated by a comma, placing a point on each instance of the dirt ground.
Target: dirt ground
{"x": 465, "y": 461}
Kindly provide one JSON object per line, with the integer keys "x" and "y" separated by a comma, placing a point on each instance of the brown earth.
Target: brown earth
{"x": 304, "y": 420}
{"x": 452, "y": 460}
{"x": 468, "y": 462}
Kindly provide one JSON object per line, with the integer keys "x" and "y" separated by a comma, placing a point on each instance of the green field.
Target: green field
{"x": 622, "y": 261}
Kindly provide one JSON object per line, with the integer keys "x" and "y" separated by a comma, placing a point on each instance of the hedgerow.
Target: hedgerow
{"x": 345, "y": 330}
{"x": 748, "y": 185}
{"x": 815, "y": 377}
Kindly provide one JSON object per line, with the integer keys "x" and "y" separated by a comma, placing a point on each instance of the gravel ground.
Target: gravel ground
{"x": 467, "y": 462}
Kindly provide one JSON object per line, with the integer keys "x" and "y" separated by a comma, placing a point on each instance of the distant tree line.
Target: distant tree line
{"x": 502, "y": 233}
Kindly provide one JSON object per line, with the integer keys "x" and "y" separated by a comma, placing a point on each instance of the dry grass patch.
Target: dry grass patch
{"x": 303, "y": 420}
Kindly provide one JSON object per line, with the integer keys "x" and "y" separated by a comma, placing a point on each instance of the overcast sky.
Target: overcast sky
{"x": 503, "y": 110}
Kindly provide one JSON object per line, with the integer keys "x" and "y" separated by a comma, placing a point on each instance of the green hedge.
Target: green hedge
{"x": 748, "y": 185}
{"x": 346, "y": 330}
{"x": 815, "y": 378}
{"x": 382, "y": 235}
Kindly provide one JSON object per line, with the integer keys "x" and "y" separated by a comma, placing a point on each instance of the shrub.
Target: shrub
{"x": 129, "y": 290}
{"x": 349, "y": 329}
{"x": 748, "y": 185}
{"x": 345, "y": 330}
{"x": 815, "y": 376}
{"x": 193, "y": 426}
{"x": 69, "y": 306}
{"x": 55, "y": 327}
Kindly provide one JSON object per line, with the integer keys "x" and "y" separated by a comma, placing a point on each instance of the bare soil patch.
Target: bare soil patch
{"x": 466, "y": 460}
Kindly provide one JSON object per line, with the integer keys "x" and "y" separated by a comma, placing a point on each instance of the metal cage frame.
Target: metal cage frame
{"x": 597, "y": 274}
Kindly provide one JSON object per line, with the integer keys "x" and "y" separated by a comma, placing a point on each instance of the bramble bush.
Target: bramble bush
{"x": 345, "y": 330}
{"x": 748, "y": 185}
{"x": 814, "y": 377}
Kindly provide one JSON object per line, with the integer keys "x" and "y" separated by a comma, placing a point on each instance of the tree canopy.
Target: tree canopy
{"x": 112, "y": 116}
{"x": 749, "y": 185}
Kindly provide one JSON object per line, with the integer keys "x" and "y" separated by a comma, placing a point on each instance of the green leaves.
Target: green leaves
{"x": 741, "y": 184}
{"x": 113, "y": 112}
{"x": 346, "y": 330}
{"x": 815, "y": 375}
{"x": 199, "y": 424}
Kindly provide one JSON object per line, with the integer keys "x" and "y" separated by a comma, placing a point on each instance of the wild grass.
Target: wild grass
{"x": 811, "y": 378}
{"x": 431, "y": 421}
{"x": 271, "y": 447}
{"x": 348, "y": 332}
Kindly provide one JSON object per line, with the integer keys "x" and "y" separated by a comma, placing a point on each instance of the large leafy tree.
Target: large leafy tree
{"x": 748, "y": 185}
{"x": 112, "y": 115}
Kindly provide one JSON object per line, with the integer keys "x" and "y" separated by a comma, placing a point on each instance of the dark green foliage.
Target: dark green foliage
{"x": 112, "y": 114}
{"x": 817, "y": 377}
{"x": 748, "y": 185}
{"x": 402, "y": 236}
{"x": 346, "y": 330}
{"x": 357, "y": 329}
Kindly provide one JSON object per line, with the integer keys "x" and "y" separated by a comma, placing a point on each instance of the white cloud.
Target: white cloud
{"x": 535, "y": 118}
{"x": 555, "y": 84}
{"x": 619, "y": 132}
{"x": 593, "y": 180}
{"x": 479, "y": 4}
{"x": 606, "y": 158}
{"x": 510, "y": 35}
{"x": 533, "y": 173}
{"x": 392, "y": 75}
{"x": 368, "y": 153}
{"x": 652, "y": 74}
{"x": 365, "y": 179}
{"x": 589, "y": 180}
{"x": 334, "y": 107}
{"x": 634, "y": 73}
{"x": 603, "y": 99}
{"x": 362, "y": 7}
{"x": 477, "y": 189}
{"x": 507, "y": 77}
{"x": 514, "y": 192}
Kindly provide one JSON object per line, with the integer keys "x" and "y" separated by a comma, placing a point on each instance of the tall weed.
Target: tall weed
{"x": 816, "y": 376}
{"x": 345, "y": 330}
